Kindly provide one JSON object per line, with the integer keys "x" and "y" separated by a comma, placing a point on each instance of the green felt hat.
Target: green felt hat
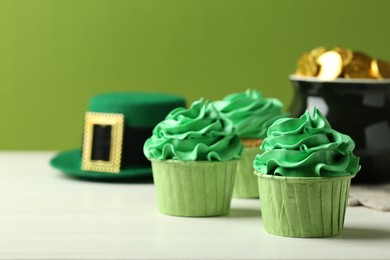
{"x": 116, "y": 127}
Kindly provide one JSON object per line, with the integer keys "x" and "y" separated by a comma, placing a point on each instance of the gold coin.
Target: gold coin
{"x": 331, "y": 65}
{"x": 359, "y": 67}
{"x": 317, "y": 52}
{"x": 374, "y": 71}
{"x": 345, "y": 53}
{"x": 380, "y": 69}
{"x": 306, "y": 66}
{"x": 341, "y": 62}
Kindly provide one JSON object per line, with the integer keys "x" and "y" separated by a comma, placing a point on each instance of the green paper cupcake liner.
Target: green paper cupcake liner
{"x": 246, "y": 184}
{"x": 194, "y": 189}
{"x": 303, "y": 207}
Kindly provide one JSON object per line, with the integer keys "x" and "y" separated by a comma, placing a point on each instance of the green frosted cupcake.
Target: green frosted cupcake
{"x": 194, "y": 156}
{"x": 252, "y": 114}
{"x": 304, "y": 177}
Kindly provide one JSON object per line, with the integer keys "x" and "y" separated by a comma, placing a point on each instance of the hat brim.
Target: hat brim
{"x": 69, "y": 162}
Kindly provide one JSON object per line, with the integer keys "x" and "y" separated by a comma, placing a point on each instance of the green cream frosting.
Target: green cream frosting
{"x": 250, "y": 112}
{"x": 306, "y": 147}
{"x": 195, "y": 134}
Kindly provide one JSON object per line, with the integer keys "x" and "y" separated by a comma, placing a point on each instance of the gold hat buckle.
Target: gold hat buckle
{"x": 102, "y": 144}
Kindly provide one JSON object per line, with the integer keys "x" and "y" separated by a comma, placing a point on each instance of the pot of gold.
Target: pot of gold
{"x": 352, "y": 89}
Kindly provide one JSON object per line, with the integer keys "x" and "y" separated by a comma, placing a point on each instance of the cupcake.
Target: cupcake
{"x": 252, "y": 114}
{"x": 194, "y": 156}
{"x": 304, "y": 177}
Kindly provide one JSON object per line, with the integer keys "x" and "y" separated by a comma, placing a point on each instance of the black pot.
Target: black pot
{"x": 359, "y": 108}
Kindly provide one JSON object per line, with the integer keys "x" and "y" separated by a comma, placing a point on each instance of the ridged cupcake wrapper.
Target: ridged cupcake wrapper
{"x": 246, "y": 184}
{"x": 194, "y": 189}
{"x": 303, "y": 207}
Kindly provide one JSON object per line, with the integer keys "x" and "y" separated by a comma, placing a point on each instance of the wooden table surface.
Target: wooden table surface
{"x": 46, "y": 215}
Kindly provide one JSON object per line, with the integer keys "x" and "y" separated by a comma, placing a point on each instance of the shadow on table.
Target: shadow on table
{"x": 134, "y": 180}
{"x": 244, "y": 213}
{"x": 363, "y": 233}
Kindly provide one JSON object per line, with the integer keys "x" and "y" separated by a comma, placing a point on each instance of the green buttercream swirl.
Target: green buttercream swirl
{"x": 306, "y": 147}
{"x": 195, "y": 134}
{"x": 250, "y": 112}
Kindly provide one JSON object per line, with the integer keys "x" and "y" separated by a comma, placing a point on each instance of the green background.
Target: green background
{"x": 56, "y": 54}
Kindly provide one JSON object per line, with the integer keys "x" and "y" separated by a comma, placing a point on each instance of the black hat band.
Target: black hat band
{"x": 109, "y": 145}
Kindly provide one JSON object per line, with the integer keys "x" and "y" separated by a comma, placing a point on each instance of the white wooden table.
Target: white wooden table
{"x": 45, "y": 215}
